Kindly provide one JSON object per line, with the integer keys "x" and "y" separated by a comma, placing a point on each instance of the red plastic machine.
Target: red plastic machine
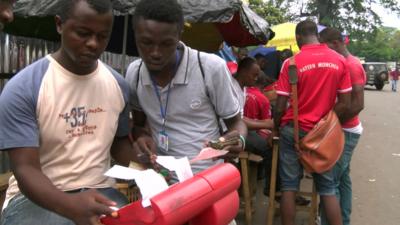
{"x": 208, "y": 198}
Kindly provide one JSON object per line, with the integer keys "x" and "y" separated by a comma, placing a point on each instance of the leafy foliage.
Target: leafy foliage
{"x": 357, "y": 17}
{"x": 272, "y": 11}
{"x": 385, "y": 46}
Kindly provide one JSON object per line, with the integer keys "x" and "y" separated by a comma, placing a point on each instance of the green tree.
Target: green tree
{"x": 271, "y": 11}
{"x": 357, "y": 17}
{"x": 384, "y": 46}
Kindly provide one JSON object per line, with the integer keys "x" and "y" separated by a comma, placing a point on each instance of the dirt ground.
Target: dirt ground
{"x": 375, "y": 166}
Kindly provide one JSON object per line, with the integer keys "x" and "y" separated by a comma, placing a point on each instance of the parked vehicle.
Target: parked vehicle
{"x": 377, "y": 74}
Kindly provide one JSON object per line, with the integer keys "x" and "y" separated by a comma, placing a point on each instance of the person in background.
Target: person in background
{"x": 256, "y": 113}
{"x": 323, "y": 84}
{"x": 6, "y": 12}
{"x": 261, "y": 61}
{"x": 177, "y": 92}
{"x": 351, "y": 123}
{"x": 61, "y": 120}
{"x": 394, "y": 77}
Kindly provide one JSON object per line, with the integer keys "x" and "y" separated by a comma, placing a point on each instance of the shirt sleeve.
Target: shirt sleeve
{"x": 18, "y": 123}
{"x": 131, "y": 77}
{"x": 282, "y": 85}
{"x": 357, "y": 73}
{"x": 344, "y": 80}
{"x": 219, "y": 84}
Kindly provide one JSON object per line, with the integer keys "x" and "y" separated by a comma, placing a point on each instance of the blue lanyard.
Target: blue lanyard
{"x": 163, "y": 111}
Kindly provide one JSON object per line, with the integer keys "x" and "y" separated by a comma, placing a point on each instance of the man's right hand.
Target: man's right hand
{"x": 85, "y": 208}
{"x": 145, "y": 145}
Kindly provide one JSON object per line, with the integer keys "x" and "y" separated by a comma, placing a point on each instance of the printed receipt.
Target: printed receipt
{"x": 149, "y": 181}
{"x": 180, "y": 166}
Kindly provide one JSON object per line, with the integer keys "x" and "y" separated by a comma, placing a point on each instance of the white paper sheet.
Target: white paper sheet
{"x": 122, "y": 172}
{"x": 149, "y": 182}
{"x": 169, "y": 162}
{"x": 180, "y": 166}
{"x": 183, "y": 169}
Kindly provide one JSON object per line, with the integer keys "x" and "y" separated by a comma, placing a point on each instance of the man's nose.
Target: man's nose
{"x": 92, "y": 42}
{"x": 155, "y": 52}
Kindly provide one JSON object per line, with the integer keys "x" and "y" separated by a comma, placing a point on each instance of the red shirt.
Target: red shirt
{"x": 357, "y": 76}
{"x": 322, "y": 74}
{"x": 395, "y": 74}
{"x": 270, "y": 87}
{"x": 257, "y": 107}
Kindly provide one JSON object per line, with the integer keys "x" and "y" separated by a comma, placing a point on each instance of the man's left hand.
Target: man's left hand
{"x": 236, "y": 147}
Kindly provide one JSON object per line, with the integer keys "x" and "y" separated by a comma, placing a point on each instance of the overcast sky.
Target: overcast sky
{"x": 388, "y": 18}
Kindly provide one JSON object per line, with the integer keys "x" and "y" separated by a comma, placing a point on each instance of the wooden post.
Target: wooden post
{"x": 272, "y": 187}
{"x": 244, "y": 164}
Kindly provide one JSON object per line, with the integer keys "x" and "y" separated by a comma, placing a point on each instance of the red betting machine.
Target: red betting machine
{"x": 208, "y": 198}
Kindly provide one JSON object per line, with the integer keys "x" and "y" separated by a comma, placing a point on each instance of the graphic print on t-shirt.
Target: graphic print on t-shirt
{"x": 77, "y": 120}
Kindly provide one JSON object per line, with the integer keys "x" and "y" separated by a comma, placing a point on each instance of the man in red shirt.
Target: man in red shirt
{"x": 352, "y": 126}
{"x": 394, "y": 75}
{"x": 256, "y": 110}
{"x": 323, "y": 84}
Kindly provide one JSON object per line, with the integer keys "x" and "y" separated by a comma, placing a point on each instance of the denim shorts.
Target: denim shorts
{"x": 291, "y": 170}
{"x": 22, "y": 211}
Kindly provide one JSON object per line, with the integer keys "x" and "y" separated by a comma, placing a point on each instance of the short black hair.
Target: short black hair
{"x": 66, "y": 6}
{"x": 262, "y": 79}
{"x": 307, "y": 28}
{"x": 330, "y": 34}
{"x": 168, "y": 11}
{"x": 246, "y": 63}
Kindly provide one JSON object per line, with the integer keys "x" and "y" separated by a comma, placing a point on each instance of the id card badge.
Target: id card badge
{"x": 163, "y": 141}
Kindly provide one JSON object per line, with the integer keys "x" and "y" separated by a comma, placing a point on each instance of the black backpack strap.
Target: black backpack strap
{"x": 202, "y": 73}
{"x": 207, "y": 93}
{"x": 138, "y": 73}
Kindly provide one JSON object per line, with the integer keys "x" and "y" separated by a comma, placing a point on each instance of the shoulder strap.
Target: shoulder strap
{"x": 207, "y": 93}
{"x": 293, "y": 78}
{"x": 202, "y": 72}
{"x": 138, "y": 73}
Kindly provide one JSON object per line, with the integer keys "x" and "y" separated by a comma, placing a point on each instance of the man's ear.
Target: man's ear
{"x": 337, "y": 44}
{"x": 59, "y": 23}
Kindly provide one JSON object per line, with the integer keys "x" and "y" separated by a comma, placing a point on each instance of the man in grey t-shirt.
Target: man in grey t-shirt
{"x": 178, "y": 101}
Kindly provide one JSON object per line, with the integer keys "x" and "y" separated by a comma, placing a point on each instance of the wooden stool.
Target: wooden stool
{"x": 312, "y": 209}
{"x": 249, "y": 181}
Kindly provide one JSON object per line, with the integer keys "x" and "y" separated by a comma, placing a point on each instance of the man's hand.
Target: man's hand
{"x": 146, "y": 149}
{"x": 85, "y": 208}
{"x": 233, "y": 149}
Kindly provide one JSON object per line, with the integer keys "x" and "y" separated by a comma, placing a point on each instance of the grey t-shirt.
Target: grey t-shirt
{"x": 193, "y": 106}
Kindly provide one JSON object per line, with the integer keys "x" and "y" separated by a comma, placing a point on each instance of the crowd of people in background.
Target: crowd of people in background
{"x": 60, "y": 145}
